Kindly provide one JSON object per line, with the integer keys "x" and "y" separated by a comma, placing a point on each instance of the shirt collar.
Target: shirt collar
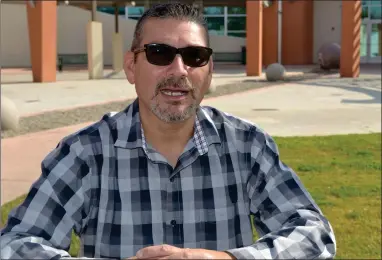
{"x": 130, "y": 134}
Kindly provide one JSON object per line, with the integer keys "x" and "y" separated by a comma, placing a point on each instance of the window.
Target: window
{"x": 215, "y": 20}
{"x": 135, "y": 12}
{"x": 363, "y": 40}
{"x": 375, "y": 12}
{"x": 111, "y": 10}
{"x": 213, "y": 11}
{"x": 236, "y": 23}
{"x": 375, "y": 41}
{"x": 215, "y": 24}
{"x": 226, "y": 20}
{"x": 365, "y": 12}
{"x": 236, "y": 10}
{"x": 371, "y": 9}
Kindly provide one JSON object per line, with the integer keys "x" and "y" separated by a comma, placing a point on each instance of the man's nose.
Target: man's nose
{"x": 177, "y": 67}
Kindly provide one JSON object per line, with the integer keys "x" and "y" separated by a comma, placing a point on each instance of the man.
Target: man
{"x": 166, "y": 178}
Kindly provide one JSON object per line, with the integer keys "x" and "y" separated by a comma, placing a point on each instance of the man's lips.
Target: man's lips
{"x": 175, "y": 89}
{"x": 171, "y": 92}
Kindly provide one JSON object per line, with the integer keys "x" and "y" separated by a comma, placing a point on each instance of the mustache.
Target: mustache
{"x": 175, "y": 82}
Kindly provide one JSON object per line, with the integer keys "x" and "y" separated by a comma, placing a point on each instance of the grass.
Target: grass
{"x": 343, "y": 174}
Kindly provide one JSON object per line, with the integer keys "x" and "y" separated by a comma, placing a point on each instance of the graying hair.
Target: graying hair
{"x": 179, "y": 11}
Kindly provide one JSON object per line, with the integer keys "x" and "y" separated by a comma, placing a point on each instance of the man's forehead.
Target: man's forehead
{"x": 171, "y": 29}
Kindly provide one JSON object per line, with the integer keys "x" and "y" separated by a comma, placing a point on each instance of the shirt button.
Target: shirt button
{"x": 173, "y": 223}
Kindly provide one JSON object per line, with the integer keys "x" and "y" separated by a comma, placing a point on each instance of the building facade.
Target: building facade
{"x": 290, "y": 33}
{"x": 231, "y": 21}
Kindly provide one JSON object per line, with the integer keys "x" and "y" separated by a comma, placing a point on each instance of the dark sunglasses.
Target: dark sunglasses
{"x": 163, "y": 54}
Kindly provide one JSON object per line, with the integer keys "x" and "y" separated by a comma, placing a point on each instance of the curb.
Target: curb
{"x": 76, "y": 106}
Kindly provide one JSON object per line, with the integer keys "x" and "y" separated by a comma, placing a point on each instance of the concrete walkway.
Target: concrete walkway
{"x": 21, "y": 158}
{"x": 314, "y": 107}
{"x": 74, "y": 89}
{"x": 307, "y": 109}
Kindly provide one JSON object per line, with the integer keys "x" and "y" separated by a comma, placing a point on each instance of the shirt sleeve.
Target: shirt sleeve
{"x": 289, "y": 222}
{"x": 42, "y": 225}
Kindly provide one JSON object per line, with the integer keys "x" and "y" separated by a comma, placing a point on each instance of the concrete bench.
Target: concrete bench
{"x": 71, "y": 59}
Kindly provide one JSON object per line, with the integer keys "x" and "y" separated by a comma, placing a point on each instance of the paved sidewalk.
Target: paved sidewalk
{"x": 308, "y": 109}
{"x": 74, "y": 89}
{"x": 21, "y": 158}
{"x": 317, "y": 107}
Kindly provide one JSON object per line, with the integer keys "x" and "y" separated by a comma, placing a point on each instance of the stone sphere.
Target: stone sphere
{"x": 9, "y": 115}
{"x": 329, "y": 56}
{"x": 275, "y": 72}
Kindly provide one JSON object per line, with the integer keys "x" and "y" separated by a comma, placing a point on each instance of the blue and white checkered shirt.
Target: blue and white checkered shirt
{"x": 120, "y": 195}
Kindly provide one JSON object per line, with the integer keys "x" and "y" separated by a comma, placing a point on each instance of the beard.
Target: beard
{"x": 172, "y": 112}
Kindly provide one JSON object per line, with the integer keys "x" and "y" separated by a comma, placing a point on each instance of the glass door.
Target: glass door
{"x": 371, "y": 31}
{"x": 364, "y": 42}
{"x": 375, "y": 40}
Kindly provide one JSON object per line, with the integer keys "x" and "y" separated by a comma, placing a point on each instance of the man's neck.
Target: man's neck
{"x": 161, "y": 134}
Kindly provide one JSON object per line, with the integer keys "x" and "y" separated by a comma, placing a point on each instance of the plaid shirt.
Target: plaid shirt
{"x": 120, "y": 195}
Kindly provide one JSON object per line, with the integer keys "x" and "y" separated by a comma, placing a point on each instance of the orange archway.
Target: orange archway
{"x": 42, "y": 27}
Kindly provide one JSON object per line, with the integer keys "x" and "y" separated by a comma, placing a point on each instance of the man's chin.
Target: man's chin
{"x": 174, "y": 114}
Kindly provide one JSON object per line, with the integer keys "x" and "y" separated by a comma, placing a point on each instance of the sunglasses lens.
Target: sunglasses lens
{"x": 196, "y": 56}
{"x": 161, "y": 55}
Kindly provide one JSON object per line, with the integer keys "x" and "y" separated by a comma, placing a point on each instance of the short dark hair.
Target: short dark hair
{"x": 180, "y": 11}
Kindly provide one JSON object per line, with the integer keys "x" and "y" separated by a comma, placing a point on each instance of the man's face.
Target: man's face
{"x": 172, "y": 92}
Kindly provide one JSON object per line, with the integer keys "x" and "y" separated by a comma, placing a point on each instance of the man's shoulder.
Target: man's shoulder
{"x": 95, "y": 133}
{"x": 220, "y": 118}
{"x": 239, "y": 132}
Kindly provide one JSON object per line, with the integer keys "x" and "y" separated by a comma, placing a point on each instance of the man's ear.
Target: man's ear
{"x": 211, "y": 69}
{"x": 129, "y": 66}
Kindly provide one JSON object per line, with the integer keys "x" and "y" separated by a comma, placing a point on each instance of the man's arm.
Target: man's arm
{"x": 289, "y": 222}
{"x": 41, "y": 226}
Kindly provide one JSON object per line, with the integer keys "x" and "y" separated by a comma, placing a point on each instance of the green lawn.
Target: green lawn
{"x": 343, "y": 174}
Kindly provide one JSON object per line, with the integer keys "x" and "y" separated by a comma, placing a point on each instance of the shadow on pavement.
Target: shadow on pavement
{"x": 369, "y": 87}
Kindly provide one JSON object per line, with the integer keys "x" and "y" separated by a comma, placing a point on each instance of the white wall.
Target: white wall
{"x": 226, "y": 43}
{"x": 327, "y": 24}
{"x": 14, "y": 38}
{"x": 71, "y": 34}
{"x": 71, "y": 31}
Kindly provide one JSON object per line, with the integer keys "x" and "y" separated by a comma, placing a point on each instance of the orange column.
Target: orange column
{"x": 42, "y": 26}
{"x": 270, "y": 36}
{"x": 254, "y": 41}
{"x": 350, "y": 38}
{"x": 297, "y": 33}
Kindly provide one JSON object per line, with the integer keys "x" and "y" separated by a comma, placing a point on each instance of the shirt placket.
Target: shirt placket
{"x": 173, "y": 218}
